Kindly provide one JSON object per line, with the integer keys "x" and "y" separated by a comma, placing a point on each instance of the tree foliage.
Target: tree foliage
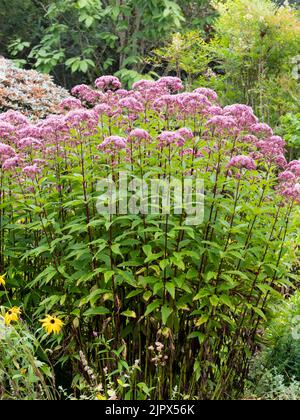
{"x": 256, "y": 45}
{"x": 79, "y": 39}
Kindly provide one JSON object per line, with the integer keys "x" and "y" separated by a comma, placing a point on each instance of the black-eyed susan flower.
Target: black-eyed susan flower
{"x": 2, "y": 280}
{"x": 12, "y": 315}
{"x": 100, "y": 397}
{"x": 52, "y": 324}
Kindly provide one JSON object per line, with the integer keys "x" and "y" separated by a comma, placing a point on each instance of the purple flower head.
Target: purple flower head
{"x": 106, "y": 83}
{"x": 14, "y": 117}
{"x": 29, "y": 142}
{"x": 242, "y": 113}
{"x": 123, "y": 93}
{"x": 294, "y": 167}
{"x": 242, "y": 162}
{"x": 6, "y": 152}
{"x": 287, "y": 176}
{"x": 12, "y": 163}
{"x": 29, "y": 130}
{"x": 139, "y": 133}
{"x": 250, "y": 138}
{"x": 69, "y": 104}
{"x": 168, "y": 138}
{"x": 131, "y": 104}
{"x": 170, "y": 84}
{"x": 142, "y": 85}
{"x": 222, "y": 122}
{"x": 209, "y": 93}
{"x": 280, "y": 161}
{"x": 86, "y": 94}
{"x": 272, "y": 149}
{"x": 292, "y": 192}
{"x": 166, "y": 104}
{"x": 186, "y": 133}
{"x": 193, "y": 103}
{"x": 112, "y": 144}
{"x": 52, "y": 126}
{"x": 6, "y": 129}
{"x": 261, "y": 128}
{"x": 149, "y": 90}
{"x": 31, "y": 171}
{"x": 276, "y": 141}
{"x": 186, "y": 152}
{"x": 81, "y": 117}
{"x": 213, "y": 110}
{"x": 103, "y": 109}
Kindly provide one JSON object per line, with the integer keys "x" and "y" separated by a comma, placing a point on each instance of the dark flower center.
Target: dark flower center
{"x": 52, "y": 321}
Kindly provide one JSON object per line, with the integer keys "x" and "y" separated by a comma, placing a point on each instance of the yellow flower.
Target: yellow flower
{"x": 100, "y": 397}
{"x": 52, "y": 324}
{"x": 2, "y": 280}
{"x": 13, "y": 314}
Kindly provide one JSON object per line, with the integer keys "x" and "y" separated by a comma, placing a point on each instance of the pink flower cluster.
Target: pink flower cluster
{"x": 242, "y": 162}
{"x": 138, "y": 134}
{"x": 112, "y": 144}
{"x": 188, "y": 123}
{"x": 178, "y": 138}
{"x": 289, "y": 181}
{"x": 108, "y": 83}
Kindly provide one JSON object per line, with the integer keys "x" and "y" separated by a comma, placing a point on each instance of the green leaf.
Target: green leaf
{"x": 129, "y": 314}
{"x": 164, "y": 264}
{"x": 100, "y": 310}
{"x": 202, "y": 294}
{"x": 227, "y": 301}
{"x": 116, "y": 249}
{"x": 260, "y": 313}
{"x": 214, "y": 300}
{"x": 147, "y": 295}
{"x": 171, "y": 289}
{"x": 89, "y": 21}
{"x": 83, "y": 67}
{"x": 83, "y": 3}
{"x": 147, "y": 250}
{"x": 197, "y": 334}
{"x": 43, "y": 278}
{"x": 108, "y": 275}
{"x": 202, "y": 320}
{"x": 166, "y": 311}
{"x": 152, "y": 306}
{"x": 192, "y": 274}
{"x": 134, "y": 293}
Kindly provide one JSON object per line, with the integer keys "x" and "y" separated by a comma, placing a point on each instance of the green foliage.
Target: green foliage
{"x": 275, "y": 373}
{"x": 188, "y": 302}
{"x": 186, "y": 55}
{"x": 75, "y": 39}
{"x": 255, "y": 45}
{"x": 92, "y": 37}
{"x": 284, "y": 339}
{"x": 22, "y": 374}
{"x": 290, "y": 129}
{"x": 251, "y": 57}
{"x": 268, "y": 384}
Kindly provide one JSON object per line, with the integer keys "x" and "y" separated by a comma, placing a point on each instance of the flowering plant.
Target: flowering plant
{"x": 202, "y": 291}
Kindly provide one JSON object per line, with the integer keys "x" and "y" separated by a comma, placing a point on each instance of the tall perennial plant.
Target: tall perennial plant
{"x": 185, "y": 304}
